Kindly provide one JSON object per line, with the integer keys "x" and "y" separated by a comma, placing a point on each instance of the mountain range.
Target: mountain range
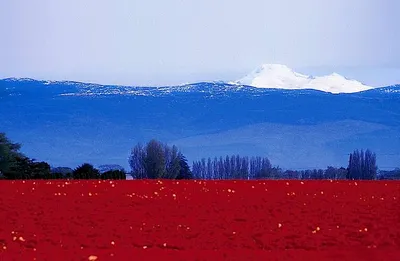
{"x": 282, "y": 77}
{"x": 69, "y": 123}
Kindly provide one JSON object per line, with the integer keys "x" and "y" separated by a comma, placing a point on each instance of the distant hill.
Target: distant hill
{"x": 69, "y": 123}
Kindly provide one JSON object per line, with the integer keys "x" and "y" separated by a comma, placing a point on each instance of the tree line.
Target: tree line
{"x": 236, "y": 167}
{"x": 156, "y": 160}
{"x": 362, "y": 166}
{"x": 15, "y": 165}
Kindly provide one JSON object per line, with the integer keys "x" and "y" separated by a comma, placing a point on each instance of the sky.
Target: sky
{"x": 159, "y": 42}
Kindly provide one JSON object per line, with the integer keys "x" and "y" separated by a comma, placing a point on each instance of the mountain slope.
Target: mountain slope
{"x": 282, "y": 77}
{"x": 68, "y": 123}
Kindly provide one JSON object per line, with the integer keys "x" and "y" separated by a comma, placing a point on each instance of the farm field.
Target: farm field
{"x": 199, "y": 220}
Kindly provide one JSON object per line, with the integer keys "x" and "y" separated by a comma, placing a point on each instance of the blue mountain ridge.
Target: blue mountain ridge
{"x": 69, "y": 123}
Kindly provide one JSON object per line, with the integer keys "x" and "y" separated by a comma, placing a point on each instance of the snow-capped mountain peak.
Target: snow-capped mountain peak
{"x": 282, "y": 77}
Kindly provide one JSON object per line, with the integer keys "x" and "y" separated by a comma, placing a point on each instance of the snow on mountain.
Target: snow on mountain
{"x": 282, "y": 77}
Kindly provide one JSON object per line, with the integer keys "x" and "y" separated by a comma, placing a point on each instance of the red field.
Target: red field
{"x": 197, "y": 220}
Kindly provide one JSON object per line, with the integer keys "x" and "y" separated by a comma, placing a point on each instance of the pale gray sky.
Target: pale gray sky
{"x": 156, "y": 42}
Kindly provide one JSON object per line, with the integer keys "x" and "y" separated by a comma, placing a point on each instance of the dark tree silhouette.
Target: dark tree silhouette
{"x": 233, "y": 167}
{"x": 156, "y": 161}
{"x": 184, "y": 172}
{"x": 113, "y": 174}
{"x": 86, "y": 171}
{"x": 362, "y": 165}
{"x": 9, "y": 155}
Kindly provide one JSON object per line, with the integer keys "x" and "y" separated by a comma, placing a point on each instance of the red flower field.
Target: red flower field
{"x": 199, "y": 220}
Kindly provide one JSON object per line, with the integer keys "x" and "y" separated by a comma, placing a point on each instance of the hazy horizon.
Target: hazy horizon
{"x": 164, "y": 43}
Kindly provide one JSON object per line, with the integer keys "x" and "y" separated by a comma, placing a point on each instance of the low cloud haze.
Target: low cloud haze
{"x": 158, "y": 42}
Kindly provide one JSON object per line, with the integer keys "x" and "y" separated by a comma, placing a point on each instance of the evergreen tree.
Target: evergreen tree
{"x": 113, "y": 174}
{"x": 362, "y": 165}
{"x": 203, "y": 169}
{"x": 40, "y": 170}
{"x": 86, "y": 171}
{"x": 19, "y": 169}
{"x": 244, "y": 167}
{"x": 25, "y": 168}
{"x": 184, "y": 172}
{"x": 210, "y": 169}
{"x": 221, "y": 169}
{"x": 371, "y": 169}
{"x": 9, "y": 154}
{"x": 349, "y": 168}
